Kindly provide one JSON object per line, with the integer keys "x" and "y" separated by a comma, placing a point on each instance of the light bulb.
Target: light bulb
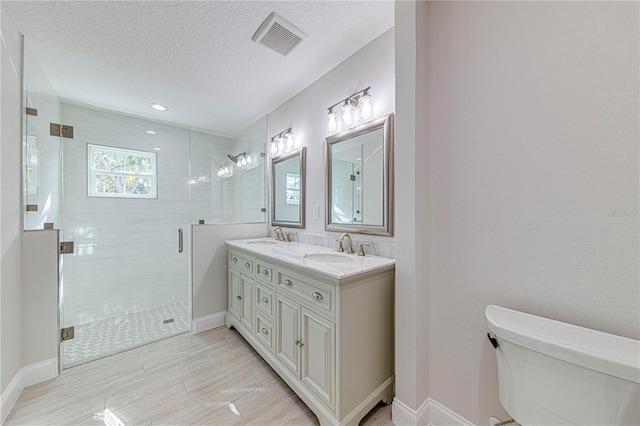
{"x": 289, "y": 138}
{"x": 249, "y": 160}
{"x": 226, "y": 170}
{"x": 346, "y": 113}
{"x": 243, "y": 162}
{"x": 332, "y": 125}
{"x": 274, "y": 147}
{"x": 280, "y": 143}
{"x": 239, "y": 163}
{"x": 366, "y": 106}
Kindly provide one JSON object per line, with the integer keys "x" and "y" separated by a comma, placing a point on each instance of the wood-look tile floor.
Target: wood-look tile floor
{"x": 212, "y": 378}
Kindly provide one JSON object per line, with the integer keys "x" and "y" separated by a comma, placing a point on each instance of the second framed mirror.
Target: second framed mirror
{"x": 288, "y": 189}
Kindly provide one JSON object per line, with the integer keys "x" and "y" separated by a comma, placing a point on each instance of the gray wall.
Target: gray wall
{"x": 10, "y": 202}
{"x": 530, "y": 190}
{"x": 306, "y": 112}
{"x": 40, "y": 289}
{"x": 209, "y": 296}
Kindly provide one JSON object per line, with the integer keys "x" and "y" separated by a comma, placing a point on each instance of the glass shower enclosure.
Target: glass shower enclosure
{"x": 125, "y": 190}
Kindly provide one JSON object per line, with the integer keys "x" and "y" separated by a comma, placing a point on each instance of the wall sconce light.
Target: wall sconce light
{"x": 282, "y": 142}
{"x": 355, "y": 109}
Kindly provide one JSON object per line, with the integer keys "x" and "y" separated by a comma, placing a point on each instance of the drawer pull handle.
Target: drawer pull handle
{"x": 239, "y": 297}
{"x": 235, "y": 260}
{"x": 288, "y": 282}
{"x": 265, "y": 300}
{"x": 317, "y": 295}
{"x": 265, "y": 272}
{"x": 247, "y": 265}
{"x": 265, "y": 331}
{"x": 299, "y": 344}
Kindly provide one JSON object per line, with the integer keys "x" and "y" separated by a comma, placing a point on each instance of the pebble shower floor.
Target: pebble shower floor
{"x": 112, "y": 335}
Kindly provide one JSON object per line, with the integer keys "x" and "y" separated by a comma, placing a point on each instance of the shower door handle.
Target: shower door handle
{"x": 180, "y": 240}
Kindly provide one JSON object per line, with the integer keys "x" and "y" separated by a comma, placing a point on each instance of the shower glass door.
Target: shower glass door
{"x": 126, "y": 208}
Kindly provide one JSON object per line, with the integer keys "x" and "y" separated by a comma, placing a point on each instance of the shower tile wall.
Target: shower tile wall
{"x": 125, "y": 256}
{"x": 234, "y": 199}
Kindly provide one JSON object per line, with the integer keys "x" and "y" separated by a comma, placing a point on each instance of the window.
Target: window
{"x": 292, "y": 188}
{"x": 121, "y": 173}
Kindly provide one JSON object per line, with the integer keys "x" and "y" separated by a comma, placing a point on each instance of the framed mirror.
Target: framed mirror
{"x": 359, "y": 172}
{"x": 287, "y": 189}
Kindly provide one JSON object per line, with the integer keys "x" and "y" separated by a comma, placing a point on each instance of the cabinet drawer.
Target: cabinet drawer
{"x": 241, "y": 262}
{"x": 317, "y": 295}
{"x": 265, "y": 271}
{"x": 264, "y": 300}
{"x": 264, "y": 331}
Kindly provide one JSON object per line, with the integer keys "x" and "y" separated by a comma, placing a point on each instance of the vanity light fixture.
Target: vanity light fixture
{"x": 355, "y": 109}
{"x": 332, "y": 124}
{"x": 282, "y": 142}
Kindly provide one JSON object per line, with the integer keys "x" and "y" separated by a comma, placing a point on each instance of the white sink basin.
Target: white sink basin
{"x": 263, "y": 243}
{"x": 328, "y": 257}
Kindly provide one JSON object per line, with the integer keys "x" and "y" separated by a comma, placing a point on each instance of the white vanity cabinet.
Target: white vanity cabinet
{"x": 241, "y": 289}
{"x": 305, "y": 345}
{"x": 328, "y": 333}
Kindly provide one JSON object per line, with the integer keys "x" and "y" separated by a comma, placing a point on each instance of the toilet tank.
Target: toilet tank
{"x": 553, "y": 373}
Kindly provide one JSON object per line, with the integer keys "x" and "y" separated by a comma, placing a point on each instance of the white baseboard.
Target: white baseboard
{"x": 199, "y": 325}
{"x": 430, "y": 413}
{"x": 40, "y": 372}
{"x": 439, "y": 415}
{"x": 26, "y": 376}
{"x": 11, "y": 395}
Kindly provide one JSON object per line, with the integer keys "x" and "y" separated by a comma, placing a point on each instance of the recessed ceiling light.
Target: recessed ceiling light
{"x": 159, "y": 107}
{"x": 151, "y": 132}
{"x": 157, "y": 149}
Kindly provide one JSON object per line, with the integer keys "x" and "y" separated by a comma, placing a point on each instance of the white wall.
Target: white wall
{"x": 306, "y": 113}
{"x": 10, "y": 207}
{"x": 531, "y": 181}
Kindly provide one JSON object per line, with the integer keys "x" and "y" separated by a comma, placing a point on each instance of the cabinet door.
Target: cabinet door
{"x": 235, "y": 295}
{"x": 246, "y": 301}
{"x": 287, "y": 336}
{"x": 318, "y": 355}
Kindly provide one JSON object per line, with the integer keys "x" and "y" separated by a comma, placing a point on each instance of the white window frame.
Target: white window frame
{"x": 92, "y": 172}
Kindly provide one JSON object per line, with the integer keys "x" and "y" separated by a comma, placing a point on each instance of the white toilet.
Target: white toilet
{"x": 553, "y": 373}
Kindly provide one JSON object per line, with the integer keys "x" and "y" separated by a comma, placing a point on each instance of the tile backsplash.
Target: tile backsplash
{"x": 376, "y": 248}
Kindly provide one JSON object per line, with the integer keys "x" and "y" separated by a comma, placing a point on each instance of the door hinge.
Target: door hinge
{"x": 60, "y": 130}
{"x": 66, "y": 333}
{"x": 31, "y": 207}
{"x": 32, "y": 111}
{"x": 66, "y": 247}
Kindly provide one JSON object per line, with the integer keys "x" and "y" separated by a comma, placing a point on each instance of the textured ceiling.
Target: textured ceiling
{"x": 197, "y": 57}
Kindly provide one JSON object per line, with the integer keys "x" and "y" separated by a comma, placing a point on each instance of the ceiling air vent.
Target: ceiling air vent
{"x": 278, "y": 34}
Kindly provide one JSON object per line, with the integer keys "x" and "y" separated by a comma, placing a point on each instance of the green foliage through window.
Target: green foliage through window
{"x": 117, "y": 172}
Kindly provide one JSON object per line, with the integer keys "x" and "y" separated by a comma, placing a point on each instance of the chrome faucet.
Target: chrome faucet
{"x": 349, "y": 243}
{"x": 279, "y": 233}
